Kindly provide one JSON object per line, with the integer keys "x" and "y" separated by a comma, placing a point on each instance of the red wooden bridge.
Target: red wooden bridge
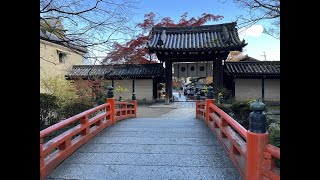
{"x": 98, "y": 146}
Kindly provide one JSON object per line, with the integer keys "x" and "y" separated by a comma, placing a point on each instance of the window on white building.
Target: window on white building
{"x": 62, "y": 56}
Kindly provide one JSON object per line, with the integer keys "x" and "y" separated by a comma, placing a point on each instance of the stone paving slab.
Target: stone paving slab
{"x": 175, "y": 146}
{"x": 149, "y": 149}
{"x": 164, "y": 130}
{"x": 160, "y": 120}
{"x": 152, "y": 134}
{"x": 147, "y": 140}
{"x": 129, "y": 172}
{"x": 158, "y": 109}
{"x": 188, "y": 114}
{"x": 144, "y": 159}
{"x": 147, "y": 112}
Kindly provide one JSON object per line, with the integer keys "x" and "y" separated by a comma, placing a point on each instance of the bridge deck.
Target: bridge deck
{"x": 174, "y": 146}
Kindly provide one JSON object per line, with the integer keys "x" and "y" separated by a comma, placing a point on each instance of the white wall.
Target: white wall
{"x": 49, "y": 60}
{"x": 143, "y": 89}
{"x": 272, "y": 89}
{"x": 248, "y": 89}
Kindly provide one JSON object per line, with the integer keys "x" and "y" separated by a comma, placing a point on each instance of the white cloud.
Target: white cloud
{"x": 254, "y": 31}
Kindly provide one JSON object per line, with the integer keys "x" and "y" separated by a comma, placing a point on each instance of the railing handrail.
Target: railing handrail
{"x": 54, "y": 151}
{"x": 252, "y": 155}
{"x": 273, "y": 150}
{"x": 66, "y": 122}
{"x": 240, "y": 129}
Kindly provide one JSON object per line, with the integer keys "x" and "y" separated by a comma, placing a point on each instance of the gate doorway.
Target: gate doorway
{"x": 209, "y": 43}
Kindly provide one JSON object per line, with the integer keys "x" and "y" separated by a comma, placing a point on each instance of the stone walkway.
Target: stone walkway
{"x": 173, "y": 146}
{"x": 159, "y": 109}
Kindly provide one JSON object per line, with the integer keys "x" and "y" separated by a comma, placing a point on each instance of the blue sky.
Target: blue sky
{"x": 258, "y": 43}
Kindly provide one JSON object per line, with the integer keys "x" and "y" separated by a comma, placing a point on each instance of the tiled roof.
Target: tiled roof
{"x": 116, "y": 71}
{"x": 54, "y": 39}
{"x": 208, "y": 37}
{"x": 256, "y": 68}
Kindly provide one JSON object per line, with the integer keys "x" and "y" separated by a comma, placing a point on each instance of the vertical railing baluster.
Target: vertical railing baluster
{"x": 41, "y": 154}
{"x": 209, "y": 110}
{"x": 84, "y": 124}
{"x": 42, "y": 167}
{"x": 65, "y": 145}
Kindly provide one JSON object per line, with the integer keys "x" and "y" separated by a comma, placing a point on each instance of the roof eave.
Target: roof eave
{"x": 228, "y": 48}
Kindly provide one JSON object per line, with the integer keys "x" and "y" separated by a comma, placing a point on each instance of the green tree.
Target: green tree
{"x": 61, "y": 88}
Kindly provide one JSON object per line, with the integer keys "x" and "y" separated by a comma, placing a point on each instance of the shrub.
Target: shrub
{"x": 120, "y": 90}
{"x": 75, "y": 107}
{"x": 272, "y": 119}
{"x": 48, "y": 107}
{"x": 60, "y": 88}
{"x": 225, "y": 108}
{"x": 274, "y": 134}
{"x": 100, "y": 98}
{"x": 240, "y": 112}
{"x": 225, "y": 93}
{"x": 274, "y": 138}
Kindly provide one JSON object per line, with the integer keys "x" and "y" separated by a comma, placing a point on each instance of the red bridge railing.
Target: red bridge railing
{"x": 87, "y": 125}
{"x": 249, "y": 152}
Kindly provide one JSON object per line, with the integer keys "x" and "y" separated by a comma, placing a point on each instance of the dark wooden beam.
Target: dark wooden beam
{"x": 195, "y": 51}
{"x": 154, "y": 88}
{"x": 180, "y": 57}
{"x": 132, "y": 85}
{"x": 168, "y": 80}
{"x": 218, "y": 74}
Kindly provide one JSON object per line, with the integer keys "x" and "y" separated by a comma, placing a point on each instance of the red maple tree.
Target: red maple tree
{"x": 136, "y": 52}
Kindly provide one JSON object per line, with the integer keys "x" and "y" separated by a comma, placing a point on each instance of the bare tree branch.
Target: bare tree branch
{"x": 47, "y": 5}
{"x": 86, "y": 24}
{"x": 72, "y": 13}
{"x": 261, "y": 10}
{"x": 267, "y": 6}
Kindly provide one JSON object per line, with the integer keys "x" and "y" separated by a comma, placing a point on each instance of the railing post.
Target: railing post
{"x": 65, "y": 145}
{"x": 223, "y": 123}
{"x": 134, "y": 100}
{"x": 209, "y": 101}
{"x": 257, "y": 139}
{"x": 41, "y": 154}
{"x": 111, "y": 101}
{"x": 84, "y": 122}
{"x": 41, "y": 160}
